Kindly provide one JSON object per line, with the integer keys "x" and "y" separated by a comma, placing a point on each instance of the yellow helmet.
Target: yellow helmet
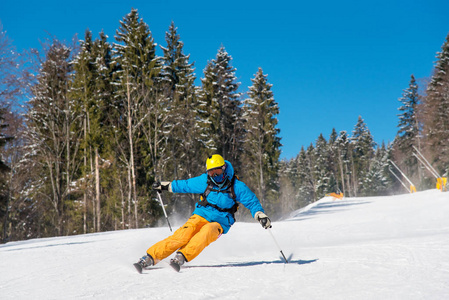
{"x": 214, "y": 161}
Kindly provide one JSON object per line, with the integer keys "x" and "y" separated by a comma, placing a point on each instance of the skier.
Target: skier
{"x": 213, "y": 216}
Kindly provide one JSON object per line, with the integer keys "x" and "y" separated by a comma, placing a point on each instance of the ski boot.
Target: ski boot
{"x": 143, "y": 263}
{"x": 177, "y": 261}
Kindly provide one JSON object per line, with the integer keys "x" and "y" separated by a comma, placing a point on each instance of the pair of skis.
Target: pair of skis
{"x": 174, "y": 265}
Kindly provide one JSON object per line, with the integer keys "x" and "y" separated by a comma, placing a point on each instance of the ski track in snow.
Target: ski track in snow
{"x": 356, "y": 248}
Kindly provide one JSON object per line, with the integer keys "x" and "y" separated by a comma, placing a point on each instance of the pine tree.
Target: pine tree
{"x": 409, "y": 128}
{"x": 9, "y": 90}
{"x": 82, "y": 92}
{"x": 103, "y": 122}
{"x": 179, "y": 77}
{"x": 377, "y": 180}
{"x": 307, "y": 175}
{"x": 262, "y": 146}
{"x": 334, "y": 180}
{"x": 362, "y": 151}
{"x": 321, "y": 167}
{"x": 436, "y": 107}
{"x": 343, "y": 158}
{"x": 4, "y": 178}
{"x": 220, "y": 109}
{"x": 15, "y": 226}
{"x": 53, "y": 144}
{"x": 141, "y": 113}
{"x": 93, "y": 94}
{"x": 182, "y": 139}
{"x": 8, "y": 84}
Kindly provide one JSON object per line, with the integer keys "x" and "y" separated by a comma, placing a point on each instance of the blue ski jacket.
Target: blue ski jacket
{"x": 197, "y": 185}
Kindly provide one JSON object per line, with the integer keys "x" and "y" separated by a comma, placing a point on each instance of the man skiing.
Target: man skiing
{"x": 213, "y": 216}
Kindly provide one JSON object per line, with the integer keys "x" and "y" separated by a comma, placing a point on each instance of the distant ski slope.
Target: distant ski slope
{"x": 355, "y": 248}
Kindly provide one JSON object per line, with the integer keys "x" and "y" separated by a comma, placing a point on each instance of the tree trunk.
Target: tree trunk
{"x": 262, "y": 184}
{"x": 129, "y": 197}
{"x": 123, "y": 201}
{"x": 85, "y": 182}
{"x": 342, "y": 175}
{"x": 354, "y": 178}
{"x": 131, "y": 157}
{"x": 97, "y": 190}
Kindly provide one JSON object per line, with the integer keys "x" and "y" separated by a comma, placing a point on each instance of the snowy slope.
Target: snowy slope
{"x": 355, "y": 248}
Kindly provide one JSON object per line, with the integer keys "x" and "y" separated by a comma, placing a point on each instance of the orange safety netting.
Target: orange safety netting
{"x": 335, "y": 195}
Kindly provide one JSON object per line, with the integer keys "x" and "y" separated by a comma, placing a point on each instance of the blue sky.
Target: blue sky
{"x": 328, "y": 61}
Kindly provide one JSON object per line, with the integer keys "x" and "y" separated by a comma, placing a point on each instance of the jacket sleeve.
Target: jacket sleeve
{"x": 245, "y": 196}
{"x": 195, "y": 185}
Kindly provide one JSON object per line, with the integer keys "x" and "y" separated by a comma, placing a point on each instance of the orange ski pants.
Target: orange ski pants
{"x": 191, "y": 238}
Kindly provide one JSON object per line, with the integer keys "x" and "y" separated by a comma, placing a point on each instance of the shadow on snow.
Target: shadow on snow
{"x": 325, "y": 208}
{"x": 43, "y": 246}
{"x": 256, "y": 263}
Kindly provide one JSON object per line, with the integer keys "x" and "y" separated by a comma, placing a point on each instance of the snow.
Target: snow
{"x": 356, "y": 248}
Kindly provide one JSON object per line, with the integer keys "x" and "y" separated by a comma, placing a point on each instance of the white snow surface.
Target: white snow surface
{"x": 356, "y": 248}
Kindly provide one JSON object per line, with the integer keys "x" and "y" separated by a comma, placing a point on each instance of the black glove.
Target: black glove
{"x": 263, "y": 219}
{"x": 162, "y": 186}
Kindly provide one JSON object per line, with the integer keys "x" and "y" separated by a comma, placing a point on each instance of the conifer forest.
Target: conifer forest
{"x": 86, "y": 128}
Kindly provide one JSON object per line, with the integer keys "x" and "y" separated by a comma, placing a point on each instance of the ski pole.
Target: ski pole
{"x": 163, "y": 208}
{"x": 280, "y": 250}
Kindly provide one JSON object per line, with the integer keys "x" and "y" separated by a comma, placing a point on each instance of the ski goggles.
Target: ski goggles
{"x": 217, "y": 174}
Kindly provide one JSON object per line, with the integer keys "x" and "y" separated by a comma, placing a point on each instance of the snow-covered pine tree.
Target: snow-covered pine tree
{"x": 321, "y": 167}
{"x": 436, "y": 108}
{"x": 92, "y": 92}
{"x": 8, "y": 91}
{"x": 142, "y": 104}
{"x": 362, "y": 151}
{"x": 220, "y": 109}
{"x": 4, "y": 178}
{"x": 104, "y": 91}
{"x": 343, "y": 158}
{"x": 408, "y": 134}
{"x": 178, "y": 78}
{"x": 105, "y": 118}
{"x": 262, "y": 144}
{"x": 377, "y": 180}
{"x": 334, "y": 180}
{"x": 50, "y": 120}
{"x": 307, "y": 172}
{"x": 82, "y": 92}
{"x": 177, "y": 71}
